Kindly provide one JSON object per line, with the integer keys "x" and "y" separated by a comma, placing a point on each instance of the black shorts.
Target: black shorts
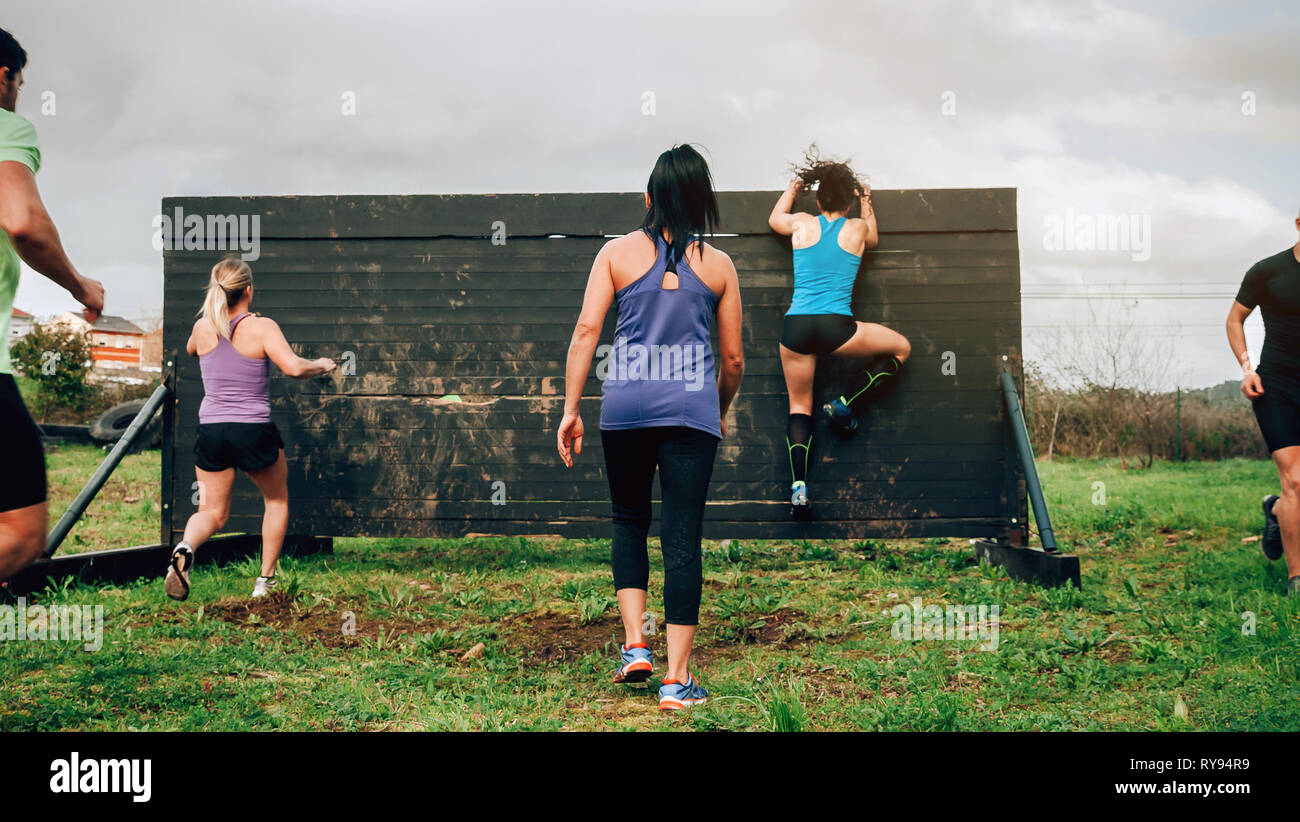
{"x": 250, "y": 446}
{"x": 22, "y": 459}
{"x": 817, "y": 333}
{"x": 1278, "y": 410}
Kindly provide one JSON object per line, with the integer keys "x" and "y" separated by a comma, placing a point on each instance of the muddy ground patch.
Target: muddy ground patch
{"x": 550, "y": 637}
{"x": 329, "y": 625}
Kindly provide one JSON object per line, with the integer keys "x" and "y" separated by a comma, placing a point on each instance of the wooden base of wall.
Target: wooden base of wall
{"x": 124, "y": 565}
{"x": 1051, "y": 570}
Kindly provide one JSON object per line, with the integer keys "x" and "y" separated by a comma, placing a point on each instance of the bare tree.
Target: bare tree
{"x": 1113, "y": 374}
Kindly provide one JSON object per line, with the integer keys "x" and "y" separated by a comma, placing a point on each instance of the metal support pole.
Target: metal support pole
{"x": 97, "y": 480}
{"x": 1035, "y": 489}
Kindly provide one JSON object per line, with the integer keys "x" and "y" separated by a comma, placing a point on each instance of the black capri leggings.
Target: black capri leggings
{"x": 684, "y": 457}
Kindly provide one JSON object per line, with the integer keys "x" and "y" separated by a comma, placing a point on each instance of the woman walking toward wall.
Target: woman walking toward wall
{"x": 660, "y": 407}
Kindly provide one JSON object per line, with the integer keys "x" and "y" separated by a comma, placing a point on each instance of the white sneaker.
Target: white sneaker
{"x": 264, "y": 586}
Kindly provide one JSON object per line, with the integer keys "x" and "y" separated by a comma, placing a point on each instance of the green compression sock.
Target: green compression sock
{"x": 798, "y": 441}
{"x": 879, "y": 371}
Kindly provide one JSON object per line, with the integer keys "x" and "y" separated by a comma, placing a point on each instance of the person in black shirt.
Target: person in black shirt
{"x": 1273, "y": 389}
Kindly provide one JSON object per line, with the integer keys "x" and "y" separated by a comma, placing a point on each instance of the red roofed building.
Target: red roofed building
{"x": 20, "y": 324}
{"x": 114, "y": 341}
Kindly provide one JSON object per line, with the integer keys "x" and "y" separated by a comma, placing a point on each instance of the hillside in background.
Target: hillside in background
{"x": 1226, "y": 394}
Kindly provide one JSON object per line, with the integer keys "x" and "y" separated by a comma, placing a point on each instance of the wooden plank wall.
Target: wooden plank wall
{"x": 428, "y": 306}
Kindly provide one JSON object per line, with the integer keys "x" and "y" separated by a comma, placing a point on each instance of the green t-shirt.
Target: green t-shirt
{"x": 17, "y": 144}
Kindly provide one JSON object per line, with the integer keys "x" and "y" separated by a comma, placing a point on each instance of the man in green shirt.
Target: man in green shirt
{"x": 26, "y": 231}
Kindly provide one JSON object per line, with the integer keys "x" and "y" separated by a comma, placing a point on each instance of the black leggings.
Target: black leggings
{"x": 684, "y": 457}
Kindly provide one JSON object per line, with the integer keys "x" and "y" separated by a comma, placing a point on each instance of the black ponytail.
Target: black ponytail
{"x": 682, "y": 201}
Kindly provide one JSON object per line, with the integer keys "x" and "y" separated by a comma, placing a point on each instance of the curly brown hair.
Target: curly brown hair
{"x": 837, "y": 185}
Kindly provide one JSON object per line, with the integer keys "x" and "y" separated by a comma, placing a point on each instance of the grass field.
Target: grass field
{"x": 126, "y": 510}
{"x": 793, "y": 636}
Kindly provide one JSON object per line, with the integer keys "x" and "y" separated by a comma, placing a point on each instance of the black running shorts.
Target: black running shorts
{"x": 250, "y": 446}
{"x": 817, "y": 333}
{"x": 22, "y": 460}
{"x": 1278, "y": 410}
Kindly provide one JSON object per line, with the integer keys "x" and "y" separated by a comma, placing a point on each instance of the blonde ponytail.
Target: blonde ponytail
{"x": 229, "y": 279}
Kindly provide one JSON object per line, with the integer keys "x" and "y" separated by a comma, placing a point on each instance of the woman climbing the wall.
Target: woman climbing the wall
{"x": 828, "y": 250}
{"x": 235, "y": 428}
{"x": 660, "y": 407}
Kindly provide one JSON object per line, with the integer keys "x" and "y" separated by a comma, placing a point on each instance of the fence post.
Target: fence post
{"x": 1027, "y": 403}
{"x": 1178, "y": 424}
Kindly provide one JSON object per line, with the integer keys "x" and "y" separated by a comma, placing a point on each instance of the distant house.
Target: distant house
{"x": 20, "y": 324}
{"x": 115, "y": 342}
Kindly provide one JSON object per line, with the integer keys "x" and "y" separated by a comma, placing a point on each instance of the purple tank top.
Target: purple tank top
{"x": 235, "y": 388}
{"x": 659, "y": 371}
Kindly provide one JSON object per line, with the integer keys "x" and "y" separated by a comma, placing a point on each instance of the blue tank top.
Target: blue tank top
{"x": 824, "y": 274}
{"x": 659, "y": 371}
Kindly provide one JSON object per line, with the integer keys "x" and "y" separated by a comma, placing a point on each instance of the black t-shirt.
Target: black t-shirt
{"x": 1273, "y": 284}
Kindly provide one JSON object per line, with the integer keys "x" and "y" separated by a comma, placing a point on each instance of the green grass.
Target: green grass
{"x": 124, "y": 512}
{"x": 793, "y": 636}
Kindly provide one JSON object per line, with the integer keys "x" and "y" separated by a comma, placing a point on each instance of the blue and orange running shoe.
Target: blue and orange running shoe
{"x": 674, "y": 695}
{"x": 636, "y": 664}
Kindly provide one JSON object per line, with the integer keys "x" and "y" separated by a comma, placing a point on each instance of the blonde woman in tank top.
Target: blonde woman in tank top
{"x": 235, "y": 430}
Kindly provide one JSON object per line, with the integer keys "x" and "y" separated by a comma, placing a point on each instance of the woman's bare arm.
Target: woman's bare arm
{"x": 278, "y": 351}
{"x": 596, "y": 301}
{"x": 781, "y": 220}
{"x": 869, "y": 217}
{"x": 731, "y": 368}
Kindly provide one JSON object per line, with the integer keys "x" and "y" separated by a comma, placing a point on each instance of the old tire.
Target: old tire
{"x": 109, "y": 426}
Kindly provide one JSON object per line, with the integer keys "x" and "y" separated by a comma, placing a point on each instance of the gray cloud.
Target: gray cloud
{"x": 1087, "y": 106}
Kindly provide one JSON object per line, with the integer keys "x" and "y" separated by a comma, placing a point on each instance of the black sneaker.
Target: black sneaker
{"x": 177, "y": 581}
{"x": 1272, "y": 541}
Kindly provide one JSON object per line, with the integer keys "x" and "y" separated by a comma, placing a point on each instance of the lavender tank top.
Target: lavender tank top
{"x": 659, "y": 372}
{"x": 235, "y": 388}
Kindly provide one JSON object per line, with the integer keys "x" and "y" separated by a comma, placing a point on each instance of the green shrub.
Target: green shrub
{"x": 59, "y": 363}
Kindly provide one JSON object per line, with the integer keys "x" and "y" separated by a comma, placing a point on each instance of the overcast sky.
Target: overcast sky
{"x": 1097, "y": 108}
